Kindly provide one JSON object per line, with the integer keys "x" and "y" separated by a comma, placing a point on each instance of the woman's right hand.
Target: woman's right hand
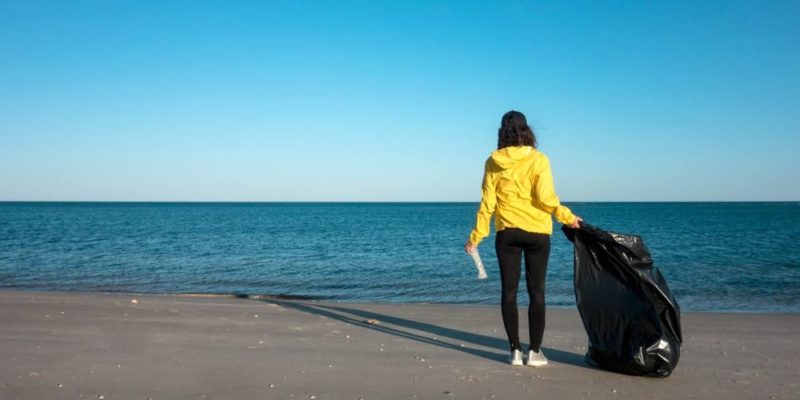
{"x": 469, "y": 247}
{"x": 577, "y": 223}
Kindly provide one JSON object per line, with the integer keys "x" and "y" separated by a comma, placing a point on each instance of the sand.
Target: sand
{"x": 123, "y": 346}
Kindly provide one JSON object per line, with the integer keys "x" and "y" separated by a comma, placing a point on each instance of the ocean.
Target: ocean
{"x": 717, "y": 257}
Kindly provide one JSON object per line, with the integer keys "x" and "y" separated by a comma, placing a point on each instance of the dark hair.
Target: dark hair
{"x": 514, "y": 131}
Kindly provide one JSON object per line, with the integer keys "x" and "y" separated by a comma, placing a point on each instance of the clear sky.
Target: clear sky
{"x": 395, "y": 100}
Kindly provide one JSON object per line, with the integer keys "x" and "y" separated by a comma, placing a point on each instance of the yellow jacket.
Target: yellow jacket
{"x": 518, "y": 188}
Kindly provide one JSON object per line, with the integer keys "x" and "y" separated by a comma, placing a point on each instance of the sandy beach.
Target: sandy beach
{"x": 124, "y": 346}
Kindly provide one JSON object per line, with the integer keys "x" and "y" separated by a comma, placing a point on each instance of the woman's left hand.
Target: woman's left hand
{"x": 469, "y": 247}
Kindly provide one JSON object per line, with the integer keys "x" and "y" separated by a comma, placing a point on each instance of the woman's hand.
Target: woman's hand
{"x": 577, "y": 223}
{"x": 469, "y": 247}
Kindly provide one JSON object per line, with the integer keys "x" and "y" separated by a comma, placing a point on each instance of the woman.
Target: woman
{"x": 518, "y": 189}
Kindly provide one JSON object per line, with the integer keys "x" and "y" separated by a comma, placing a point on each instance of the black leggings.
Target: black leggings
{"x": 510, "y": 243}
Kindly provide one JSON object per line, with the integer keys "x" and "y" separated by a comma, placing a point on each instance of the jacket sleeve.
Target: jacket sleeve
{"x": 545, "y": 197}
{"x": 487, "y": 207}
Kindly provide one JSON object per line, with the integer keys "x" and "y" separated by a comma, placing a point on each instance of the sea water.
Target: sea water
{"x": 715, "y": 256}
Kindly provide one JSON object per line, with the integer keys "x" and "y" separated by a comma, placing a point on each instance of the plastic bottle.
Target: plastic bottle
{"x": 478, "y": 263}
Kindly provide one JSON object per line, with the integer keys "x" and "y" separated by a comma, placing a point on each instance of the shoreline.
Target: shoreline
{"x": 282, "y": 296}
{"x": 115, "y": 345}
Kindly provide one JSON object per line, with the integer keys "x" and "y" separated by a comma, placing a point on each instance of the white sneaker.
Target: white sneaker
{"x": 536, "y": 359}
{"x": 516, "y": 357}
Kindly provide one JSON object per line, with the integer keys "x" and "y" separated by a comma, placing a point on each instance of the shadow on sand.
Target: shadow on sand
{"x": 404, "y": 326}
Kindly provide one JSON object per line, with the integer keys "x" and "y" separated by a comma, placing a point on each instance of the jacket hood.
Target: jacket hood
{"x": 510, "y": 157}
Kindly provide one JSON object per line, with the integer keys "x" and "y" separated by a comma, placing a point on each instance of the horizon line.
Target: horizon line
{"x": 379, "y": 201}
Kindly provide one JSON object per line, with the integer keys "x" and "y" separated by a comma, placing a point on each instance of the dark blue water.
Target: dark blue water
{"x": 715, "y": 256}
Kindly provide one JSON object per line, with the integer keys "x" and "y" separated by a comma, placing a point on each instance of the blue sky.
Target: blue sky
{"x": 395, "y": 100}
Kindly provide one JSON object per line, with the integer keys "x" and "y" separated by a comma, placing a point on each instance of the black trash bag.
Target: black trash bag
{"x": 630, "y": 316}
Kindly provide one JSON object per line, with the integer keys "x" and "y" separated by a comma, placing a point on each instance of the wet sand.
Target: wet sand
{"x": 122, "y": 346}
